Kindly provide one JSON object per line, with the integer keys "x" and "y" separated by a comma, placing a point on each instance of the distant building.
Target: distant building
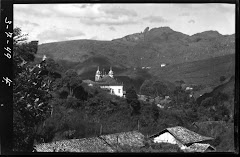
{"x": 160, "y": 106}
{"x": 108, "y": 82}
{"x": 44, "y": 58}
{"x": 189, "y": 88}
{"x": 163, "y": 65}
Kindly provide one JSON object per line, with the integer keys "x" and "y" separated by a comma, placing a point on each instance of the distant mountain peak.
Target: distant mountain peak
{"x": 136, "y": 37}
{"x": 145, "y": 30}
{"x": 163, "y": 29}
{"x": 210, "y": 33}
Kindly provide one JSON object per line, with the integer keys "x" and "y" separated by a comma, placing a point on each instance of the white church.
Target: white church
{"x": 107, "y": 81}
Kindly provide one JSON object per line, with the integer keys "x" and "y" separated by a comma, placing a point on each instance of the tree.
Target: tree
{"x": 71, "y": 80}
{"x": 160, "y": 88}
{"x": 155, "y": 88}
{"x": 132, "y": 99}
{"x": 146, "y": 88}
{"x": 31, "y": 93}
{"x": 131, "y": 94}
{"x": 23, "y": 52}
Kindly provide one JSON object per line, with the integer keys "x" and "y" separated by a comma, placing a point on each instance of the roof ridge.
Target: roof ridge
{"x": 101, "y": 138}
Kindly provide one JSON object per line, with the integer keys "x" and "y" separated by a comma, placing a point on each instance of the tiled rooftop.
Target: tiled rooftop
{"x": 199, "y": 147}
{"x": 133, "y": 138}
{"x": 184, "y": 135}
{"x": 103, "y": 143}
{"x": 75, "y": 145}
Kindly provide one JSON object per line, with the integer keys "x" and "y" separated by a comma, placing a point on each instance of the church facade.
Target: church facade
{"x": 107, "y": 81}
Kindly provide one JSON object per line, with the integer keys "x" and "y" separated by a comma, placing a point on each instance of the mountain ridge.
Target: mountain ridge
{"x": 157, "y": 45}
{"x": 152, "y": 48}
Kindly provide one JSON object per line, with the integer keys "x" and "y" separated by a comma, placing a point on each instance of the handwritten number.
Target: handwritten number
{"x": 7, "y": 81}
{"x": 9, "y": 34}
{"x": 8, "y": 55}
{"x": 8, "y": 49}
{"x": 8, "y": 22}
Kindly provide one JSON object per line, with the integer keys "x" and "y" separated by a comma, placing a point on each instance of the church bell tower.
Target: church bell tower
{"x": 98, "y": 75}
{"x": 110, "y": 73}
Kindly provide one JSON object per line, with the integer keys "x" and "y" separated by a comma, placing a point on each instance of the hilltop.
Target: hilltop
{"x": 199, "y": 58}
{"x": 156, "y": 45}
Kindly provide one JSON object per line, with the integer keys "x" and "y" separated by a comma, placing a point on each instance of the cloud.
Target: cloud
{"x": 77, "y": 10}
{"x": 223, "y": 8}
{"x": 116, "y": 12}
{"x": 112, "y": 28}
{"x": 56, "y": 34}
{"x": 38, "y": 10}
{"x": 155, "y": 19}
{"x": 109, "y": 15}
{"x": 184, "y": 14}
{"x": 25, "y": 22}
{"x": 89, "y": 14}
{"x": 107, "y": 21}
{"x": 191, "y": 21}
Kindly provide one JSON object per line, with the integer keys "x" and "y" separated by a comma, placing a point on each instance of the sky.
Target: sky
{"x": 60, "y": 22}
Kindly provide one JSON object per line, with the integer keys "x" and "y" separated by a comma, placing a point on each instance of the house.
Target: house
{"x": 180, "y": 136}
{"x": 132, "y": 139}
{"x": 160, "y": 106}
{"x": 93, "y": 144}
{"x": 189, "y": 88}
{"x": 102, "y": 143}
{"x": 163, "y": 65}
{"x": 200, "y": 147}
{"x": 112, "y": 85}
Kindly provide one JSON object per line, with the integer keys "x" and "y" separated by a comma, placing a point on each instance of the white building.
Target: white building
{"x": 189, "y": 88}
{"x": 180, "y": 136}
{"x": 114, "y": 89}
{"x": 163, "y": 65}
{"x": 108, "y": 82}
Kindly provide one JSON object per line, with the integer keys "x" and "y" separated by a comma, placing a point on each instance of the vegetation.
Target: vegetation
{"x": 51, "y": 104}
{"x": 31, "y": 93}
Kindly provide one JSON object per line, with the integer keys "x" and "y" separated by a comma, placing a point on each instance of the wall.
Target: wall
{"x": 167, "y": 138}
{"x": 115, "y": 90}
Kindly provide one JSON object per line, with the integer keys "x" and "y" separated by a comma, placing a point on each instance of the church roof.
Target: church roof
{"x": 89, "y": 81}
{"x": 107, "y": 80}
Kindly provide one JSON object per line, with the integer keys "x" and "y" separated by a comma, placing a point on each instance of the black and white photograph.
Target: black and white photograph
{"x": 124, "y": 77}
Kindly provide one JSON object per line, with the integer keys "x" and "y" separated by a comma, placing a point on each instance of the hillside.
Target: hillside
{"x": 198, "y": 59}
{"x": 206, "y": 72}
{"x": 158, "y": 45}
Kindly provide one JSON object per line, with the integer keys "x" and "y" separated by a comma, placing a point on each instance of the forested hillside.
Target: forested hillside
{"x": 54, "y": 104}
